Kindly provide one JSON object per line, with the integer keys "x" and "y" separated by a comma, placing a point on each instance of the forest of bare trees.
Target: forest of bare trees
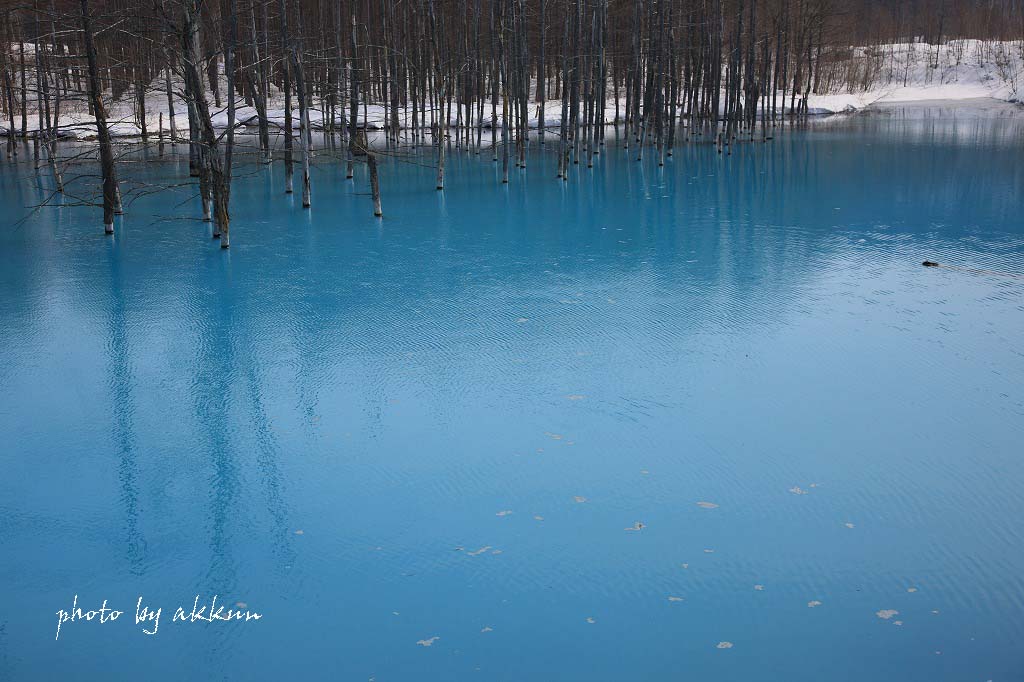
{"x": 471, "y": 76}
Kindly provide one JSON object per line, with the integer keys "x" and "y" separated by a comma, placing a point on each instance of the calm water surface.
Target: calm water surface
{"x": 445, "y": 427}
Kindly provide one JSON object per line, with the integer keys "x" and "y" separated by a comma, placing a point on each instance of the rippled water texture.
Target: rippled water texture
{"x": 708, "y": 421}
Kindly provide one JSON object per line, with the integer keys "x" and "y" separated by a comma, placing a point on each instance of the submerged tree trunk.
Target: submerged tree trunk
{"x": 371, "y": 162}
{"x": 194, "y": 87}
{"x": 110, "y": 192}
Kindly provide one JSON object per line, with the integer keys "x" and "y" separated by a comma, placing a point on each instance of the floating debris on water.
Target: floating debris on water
{"x": 487, "y": 629}
{"x": 575, "y": 397}
{"x": 520, "y": 320}
{"x": 709, "y": 551}
{"x": 848, "y": 524}
{"x": 299, "y": 532}
{"x": 759, "y": 588}
{"x": 797, "y": 490}
{"x": 538, "y": 518}
{"x": 590, "y": 619}
{"x": 911, "y": 589}
{"x": 479, "y": 551}
{"x": 241, "y": 605}
{"x": 636, "y": 526}
{"x": 897, "y": 622}
{"x": 724, "y": 645}
{"x": 813, "y": 603}
{"x": 685, "y": 565}
{"x": 886, "y": 614}
{"x": 428, "y": 642}
{"x": 580, "y": 499}
{"x": 504, "y": 513}
{"x": 707, "y": 505}
{"x": 675, "y": 599}
{"x": 553, "y": 436}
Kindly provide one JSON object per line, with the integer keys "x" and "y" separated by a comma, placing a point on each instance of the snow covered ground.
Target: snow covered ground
{"x": 909, "y": 72}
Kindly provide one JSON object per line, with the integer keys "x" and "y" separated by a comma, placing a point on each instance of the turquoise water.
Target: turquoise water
{"x": 468, "y": 407}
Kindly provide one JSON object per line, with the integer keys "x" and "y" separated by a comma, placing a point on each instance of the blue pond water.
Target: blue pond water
{"x": 466, "y": 407}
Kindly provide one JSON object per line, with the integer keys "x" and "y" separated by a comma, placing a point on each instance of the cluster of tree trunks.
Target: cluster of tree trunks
{"x": 440, "y": 73}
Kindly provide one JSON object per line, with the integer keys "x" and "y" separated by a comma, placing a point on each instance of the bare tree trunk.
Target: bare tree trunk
{"x": 371, "y": 162}
{"x": 285, "y": 66}
{"x": 110, "y": 191}
{"x": 194, "y": 87}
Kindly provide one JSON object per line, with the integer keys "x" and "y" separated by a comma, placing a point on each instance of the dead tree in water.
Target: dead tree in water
{"x": 287, "y": 75}
{"x": 196, "y": 94}
{"x": 371, "y": 162}
{"x": 295, "y": 51}
{"x": 110, "y": 192}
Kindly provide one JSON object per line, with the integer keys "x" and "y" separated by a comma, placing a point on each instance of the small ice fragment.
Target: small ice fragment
{"x": 428, "y": 642}
{"x": 724, "y": 645}
{"x": 707, "y": 505}
{"x": 504, "y": 513}
{"x": 759, "y": 588}
{"x": 811, "y": 604}
{"x": 886, "y": 614}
